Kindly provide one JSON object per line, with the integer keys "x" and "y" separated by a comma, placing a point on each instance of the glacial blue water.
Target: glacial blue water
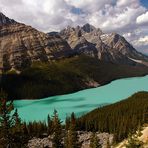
{"x": 80, "y": 102}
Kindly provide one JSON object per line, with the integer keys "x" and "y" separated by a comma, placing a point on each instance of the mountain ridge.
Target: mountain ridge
{"x": 38, "y": 65}
{"x": 108, "y": 47}
{"x": 5, "y": 20}
{"x": 20, "y": 45}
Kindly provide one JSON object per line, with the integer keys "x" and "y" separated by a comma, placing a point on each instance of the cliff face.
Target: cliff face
{"x": 107, "y": 47}
{"x": 5, "y": 20}
{"x": 20, "y": 45}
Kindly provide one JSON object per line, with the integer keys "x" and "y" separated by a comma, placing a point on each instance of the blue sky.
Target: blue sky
{"x": 144, "y": 3}
{"x": 126, "y": 17}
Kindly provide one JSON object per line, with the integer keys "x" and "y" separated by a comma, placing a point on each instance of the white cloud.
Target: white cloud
{"x": 144, "y": 39}
{"x": 44, "y": 15}
{"x": 55, "y": 14}
{"x": 116, "y": 19}
{"x": 90, "y": 6}
{"x": 142, "y": 19}
{"x": 124, "y": 3}
{"x": 140, "y": 42}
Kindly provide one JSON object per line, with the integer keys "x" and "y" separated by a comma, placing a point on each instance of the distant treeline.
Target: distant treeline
{"x": 120, "y": 118}
{"x": 64, "y": 76}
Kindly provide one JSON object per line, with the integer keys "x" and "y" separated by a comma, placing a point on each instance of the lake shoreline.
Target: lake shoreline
{"x": 100, "y": 85}
{"x": 80, "y": 102}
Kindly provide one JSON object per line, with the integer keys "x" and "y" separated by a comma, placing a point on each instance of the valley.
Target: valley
{"x": 80, "y": 102}
{"x": 56, "y": 78}
{"x": 78, "y": 87}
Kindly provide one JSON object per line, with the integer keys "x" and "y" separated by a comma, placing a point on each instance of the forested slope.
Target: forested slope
{"x": 120, "y": 118}
{"x": 64, "y": 76}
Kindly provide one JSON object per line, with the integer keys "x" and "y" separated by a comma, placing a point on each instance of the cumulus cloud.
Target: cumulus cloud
{"x": 143, "y": 19}
{"x": 122, "y": 16}
{"x": 144, "y": 40}
{"x": 142, "y": 44}
{"x": 124, "y": 3}
{"x": 44, "y": 15}
{"x": 90, "y": 6}
{"x": 116, "y": 19}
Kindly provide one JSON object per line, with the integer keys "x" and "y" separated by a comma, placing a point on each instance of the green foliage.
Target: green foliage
{"x": 57, "y": 131}
{"x": 133, "y": 141}
{"x": 71, "y": 139}
{"x": 20, "y": 138}
{"x": 94, "y": 141}
{"x": 3, "y": 94}
{"x": 54, "y": 78}
{"x": 49, "y": 124}
{"x": 67, "y": 123}
{"x": 11, "y": 72}
{"x": 36, "y": 129}
{"x": 119, "y": 118}
{"x": 11, "y": 131}
{"x": 6, "y": 121}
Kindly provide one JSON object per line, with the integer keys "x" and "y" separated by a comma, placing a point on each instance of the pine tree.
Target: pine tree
{"x": 66, "y": 139}
{"x": 26, "y": 135}
{"x": 57, "y": 131}
{"x": 49, "y": 122}
{"x": 11, "y": 131}
{"x": 67, "y": 123}
{"x": 6, "y": 121}
{"x": 94, "y": 141}
{"x": 17, "y": 120}
{"x": 19, "y": 138}
{"x": 71, "y": 140}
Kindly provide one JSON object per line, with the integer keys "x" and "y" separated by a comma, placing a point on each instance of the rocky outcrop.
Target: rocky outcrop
{"x": 20, "y": 45}
{"x": 84, "y": 139}
{"x": 40, "y": 143}
{"x": 77, "y": 41}
{"x": 5, "y": 20}
{"x": 107, "y": 47}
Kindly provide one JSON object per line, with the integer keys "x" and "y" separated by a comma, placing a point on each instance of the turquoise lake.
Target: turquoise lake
{"x": 80, "y": 102}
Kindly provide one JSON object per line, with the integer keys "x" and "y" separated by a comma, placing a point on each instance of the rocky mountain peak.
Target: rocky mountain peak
{"x": 5, "y": 20}
{"x": 20, "y": 45}
{"x": 116, "y": 37}
{"x": 88, "y": 28}
{"x": 110, "y": 47}
{"x": 111, "y": 38}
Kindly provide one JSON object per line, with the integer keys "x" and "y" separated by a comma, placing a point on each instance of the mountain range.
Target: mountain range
{"x": 20, "y": 45}
{"x": 37, "y": 64}
{"x": 107, "y": 47}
